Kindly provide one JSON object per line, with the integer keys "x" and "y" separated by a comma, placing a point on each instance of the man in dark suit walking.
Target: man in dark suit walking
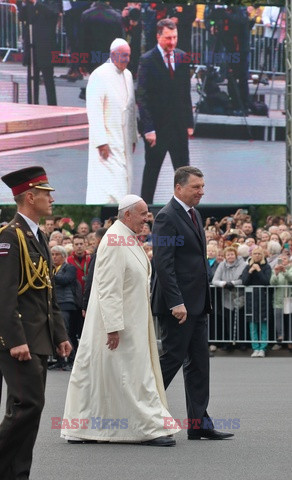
{"x": 165, "y": 108}
{"x": 181, "y": 298}
{"x": 31, "y": 323}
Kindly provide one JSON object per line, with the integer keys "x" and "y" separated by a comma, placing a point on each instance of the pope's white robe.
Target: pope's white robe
{"x": 124, "y": 384}
{"x": 111, "y": 111}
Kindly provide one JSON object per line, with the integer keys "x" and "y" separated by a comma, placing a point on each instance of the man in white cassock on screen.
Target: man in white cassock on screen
{"x": 110, "y": 103}
{"x": 116, "y": 390}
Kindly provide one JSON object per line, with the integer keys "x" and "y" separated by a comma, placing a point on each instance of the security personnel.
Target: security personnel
{"x": 31, "y": 324}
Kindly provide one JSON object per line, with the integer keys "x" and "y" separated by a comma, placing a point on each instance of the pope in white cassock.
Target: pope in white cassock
{"x": 111, "y": 111}
{"x": 116, "y": 391}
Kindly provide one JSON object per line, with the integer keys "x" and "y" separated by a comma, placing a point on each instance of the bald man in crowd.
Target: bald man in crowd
{"x": 110, "y": 102}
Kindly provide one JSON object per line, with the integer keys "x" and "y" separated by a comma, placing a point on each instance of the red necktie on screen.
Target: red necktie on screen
{"x": 193, "y": 216}
{"x": 171, "y": 71}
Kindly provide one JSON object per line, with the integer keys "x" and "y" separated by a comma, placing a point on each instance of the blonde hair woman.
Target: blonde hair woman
{"x": 257, "y": 273}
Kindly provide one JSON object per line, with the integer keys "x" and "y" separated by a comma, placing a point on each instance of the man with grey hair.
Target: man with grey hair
{"x": 110, "y": 103}
{"x": 116, "y": 384}
{"x": 181, "y": 298}
{"x": 65, "y": 277}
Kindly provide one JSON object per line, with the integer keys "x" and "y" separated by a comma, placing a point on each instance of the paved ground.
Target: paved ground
{"x": 236, "y": 171}
{"x": 256, "y": 391}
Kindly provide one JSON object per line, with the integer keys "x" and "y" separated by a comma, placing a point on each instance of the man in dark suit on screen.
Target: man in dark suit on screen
{"x": 165, "y": 108}
{"x": 39, "y": 41}
{"x": 181, "y": 298}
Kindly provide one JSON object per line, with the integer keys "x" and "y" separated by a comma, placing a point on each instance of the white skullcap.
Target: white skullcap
{"x": 128, "y": 201}
{"x": 118, "y": 42}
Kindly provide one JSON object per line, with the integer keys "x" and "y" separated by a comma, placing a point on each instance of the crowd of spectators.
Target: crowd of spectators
{"x": 238, "y": 255}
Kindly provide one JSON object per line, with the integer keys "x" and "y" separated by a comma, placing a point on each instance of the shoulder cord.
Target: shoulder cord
{"x": 33, "y": 273}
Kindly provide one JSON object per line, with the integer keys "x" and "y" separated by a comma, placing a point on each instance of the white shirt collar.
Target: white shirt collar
{"x": 184, "y": 205}
{"x": 163, "y": 54}
{"x": 32, "y": 225}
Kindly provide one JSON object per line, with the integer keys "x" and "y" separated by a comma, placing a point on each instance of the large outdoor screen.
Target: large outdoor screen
{"x": 241, "y": 153}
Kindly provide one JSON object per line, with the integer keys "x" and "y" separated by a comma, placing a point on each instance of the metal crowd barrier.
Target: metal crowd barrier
{"x": 263, "y": 52}
{"x": 235, "y": 312}
{"x": 10, "y": 38}
{"x": 251, "y": 307}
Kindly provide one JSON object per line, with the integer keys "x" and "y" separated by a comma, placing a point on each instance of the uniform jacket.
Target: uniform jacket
{"x": 163, "y": 102}
{"x": 33, "y": 317}
{"x": 181, "y": 267}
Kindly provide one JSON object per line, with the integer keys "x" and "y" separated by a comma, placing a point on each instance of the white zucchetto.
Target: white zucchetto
{"x": 118, "y": 42}
{"x": 128, "y": 201}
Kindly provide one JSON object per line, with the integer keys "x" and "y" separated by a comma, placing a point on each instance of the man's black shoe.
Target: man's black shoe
{"x": 161, "y": 442}
{"x": 82, "y": 94}
{"x": 82, "y": 441}
{"x": 211, "y": 435}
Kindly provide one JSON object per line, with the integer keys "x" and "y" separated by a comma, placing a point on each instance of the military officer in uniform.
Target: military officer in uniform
{"x": 31, "y": 324}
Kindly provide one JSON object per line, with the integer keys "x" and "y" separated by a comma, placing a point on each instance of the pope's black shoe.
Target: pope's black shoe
{"x": 165, "y": 441}
{"x": 210, "y": 434}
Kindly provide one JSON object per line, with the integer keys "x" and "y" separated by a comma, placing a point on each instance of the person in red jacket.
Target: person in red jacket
{"x": 80, "y": 259}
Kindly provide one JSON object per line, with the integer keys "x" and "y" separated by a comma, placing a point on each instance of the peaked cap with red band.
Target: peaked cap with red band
{"x": 26, "y": 178}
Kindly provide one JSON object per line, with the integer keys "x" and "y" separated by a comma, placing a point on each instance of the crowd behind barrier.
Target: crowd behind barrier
{"x": 265, "y": 52}
{"x": 250, "y": 275}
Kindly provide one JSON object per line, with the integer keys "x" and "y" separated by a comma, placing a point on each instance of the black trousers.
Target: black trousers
{"x": 25, "y": 401}
{"x": 172, "y": 141}
{"x": 186, "y": 345}
{"x": 48, "y": 76}
{"x": 238, "y": 82}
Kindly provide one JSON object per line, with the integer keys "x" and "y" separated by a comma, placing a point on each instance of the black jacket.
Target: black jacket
{"x": 65, "y": 280}
{"x": 256, "y": 300}
{"x": 162, "y": 102}
{"x": 181, "y": 267}
{"x": 100, "y": 25}
{"x": 44, "y": 17}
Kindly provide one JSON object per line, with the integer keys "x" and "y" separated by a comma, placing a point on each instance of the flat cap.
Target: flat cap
{"x": 22, "y": 180}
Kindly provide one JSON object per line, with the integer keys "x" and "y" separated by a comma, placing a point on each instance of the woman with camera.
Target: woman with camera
{"x": 257, "y": 274}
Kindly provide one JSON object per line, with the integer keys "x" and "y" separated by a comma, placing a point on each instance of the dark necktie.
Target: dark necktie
{"x": 171, "y": 71}
{"x": 193, "y": 217}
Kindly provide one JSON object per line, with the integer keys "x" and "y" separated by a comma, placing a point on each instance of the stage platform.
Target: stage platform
{"x": 26, "y": 126}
